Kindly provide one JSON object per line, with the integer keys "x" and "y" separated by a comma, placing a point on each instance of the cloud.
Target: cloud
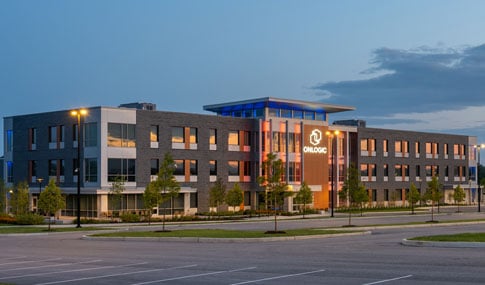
{"x": 426, "y": 89}
{"x": 419, "y": 80}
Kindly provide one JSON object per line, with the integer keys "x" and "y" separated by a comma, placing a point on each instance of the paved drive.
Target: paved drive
{"x": 355, "y": 260}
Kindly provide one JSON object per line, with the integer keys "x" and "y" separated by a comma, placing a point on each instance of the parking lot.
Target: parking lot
{"x": 65, "y": 258}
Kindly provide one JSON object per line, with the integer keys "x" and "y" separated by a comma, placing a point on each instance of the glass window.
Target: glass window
{"x": 385, "y": 145}
{"x": 91, "y": 170}
{"x": 405, "y": 146}
{"x": 193, "y": 167}
{"x": 114, "y": 135}
{"x": 298, "y": 114}
{"x": 417, "y": 147}
{"x": 233, "y": 138}
{"x": 286, "y": 113}
{"x": 259, "y": 112}
{"x": 398, "y": 170}
{"x": 372, "y": 169}
{"x": 386, "y": 170}
{"x": 386, "y": 194}
{"x": 363, "y": 145}
{"x": 418, "y": 170}
{"x": 248, "y": 113}
{"x": 319, "y": 117}
{"x": 62, "y": 166}
{"x": 52, "y": 167}
{"x": 9, "y": 171}
{"x": 193, "y": 135}
{"x": 121, "y": 168}
{"x": 90, "y": 134}
{"x": 33, "y": 136}
{"x": 52, "y": 134}
{"x": 213, "y": 167}
{"x": 130, "y": 139}
{"x": 276, "y": 141}
{"x": 364, "y": 170}
{"x": 154, "y": 133}
{"x": 272, "y": 112}
{"x": 74, "y": 133}
{"x": 212, "y": 136}
{"x": 179, "y": 167}
{"x": 398, "y": 146}
{"x": 193, "y": 200}
{"x": 178, "y": 135}
{"x": 33, "y": 168}
{"x": 309, "y": 115}
{"x": 154, "y": 166}
{"x": 9, "y": 136}
{"x": 233, "y": 167}
{"x": 62, "y": 131}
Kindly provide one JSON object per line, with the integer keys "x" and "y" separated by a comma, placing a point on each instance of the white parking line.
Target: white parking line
{"x": 73, "y": 270}
{"x": 194, "y": 275}
{"x": 31, "y": 261}
{"x": 18, "y": 257}
{"x": 388, "y": 280}
{"x": 278, "y": 277}
{"x": 113, "y": 275}
{"x": 50, "y": 265}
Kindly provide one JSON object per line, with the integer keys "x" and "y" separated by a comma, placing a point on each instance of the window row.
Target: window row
{"x": 56, "y": 136}
{"x": 368, "y": 172}
{"x": 368, "y": 147}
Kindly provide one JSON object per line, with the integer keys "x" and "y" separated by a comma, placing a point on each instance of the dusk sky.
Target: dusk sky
{"x": 417, "y": 65}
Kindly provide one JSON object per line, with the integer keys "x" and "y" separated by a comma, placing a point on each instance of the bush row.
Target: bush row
{"x": 23, "y": 219}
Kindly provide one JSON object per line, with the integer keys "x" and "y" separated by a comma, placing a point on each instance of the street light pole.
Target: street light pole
{"x": 333, "y": 135}
{"x": 78, "y": 113}
{"x": 478, "y": 176}
{"x": 39, "y": 180}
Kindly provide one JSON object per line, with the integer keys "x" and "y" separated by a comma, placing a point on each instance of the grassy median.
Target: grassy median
{"x": 463, "y": 237}
{"x": 217, "y": 233}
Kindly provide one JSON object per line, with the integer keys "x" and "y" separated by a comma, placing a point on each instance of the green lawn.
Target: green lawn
{"x": 215, "y": 233}
{"x": 463, "y": 237}
{"x": 30, "y": 230}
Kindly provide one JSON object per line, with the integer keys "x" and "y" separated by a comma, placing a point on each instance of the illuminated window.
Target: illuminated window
{"x": 153, "y": 133}
{"x": 178, "y": 135}
{"x": 233, "y": 138}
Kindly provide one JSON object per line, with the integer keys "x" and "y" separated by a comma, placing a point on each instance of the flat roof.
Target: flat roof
{"x": 270, "y": 102}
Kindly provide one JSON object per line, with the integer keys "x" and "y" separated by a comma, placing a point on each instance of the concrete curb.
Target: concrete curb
{"x": 224, "y": 240}
{"x": 444, "y": 244}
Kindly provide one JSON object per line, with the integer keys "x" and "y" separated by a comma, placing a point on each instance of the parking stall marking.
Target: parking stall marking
{"x": 278, "y": 277}
{"x": 118, "y": 274}
{"x": 50, "y": 265}
{"x": 194, "y": 275}
{"x": 16, "y": 257}
{"x": 72, "y": 270}
{"x": 30, "y": 261}
{"x": 388, "y": 280}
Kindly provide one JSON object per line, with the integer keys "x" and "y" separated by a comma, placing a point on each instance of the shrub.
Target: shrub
{"x": 29, "y": 219}
{"x": 6, "y": 219}
{"x": 130, "y": 218}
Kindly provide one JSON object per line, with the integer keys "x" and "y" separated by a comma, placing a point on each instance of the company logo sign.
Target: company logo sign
{"x": 315, "y": 138}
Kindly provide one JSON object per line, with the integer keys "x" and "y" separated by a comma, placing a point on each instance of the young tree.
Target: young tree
{"x": 353, "y": 190}
{"x": 304, "y": 196}
{"x": 413, "y": 196}
{"x": 217, "y": 194}
{"x": 273, "y": 183}
{"x": 459, "y": 196}
{"x": 19, "y": 199}
{"x": 235, "y": 197}
{"x": 151, "y": 197}
{"x": 115, "y": 194}
{"x": 51, "y": 200}
{"x": 3, "y": 197}
{"x": 166, "y": 184}
{"x": 433, "y": 194}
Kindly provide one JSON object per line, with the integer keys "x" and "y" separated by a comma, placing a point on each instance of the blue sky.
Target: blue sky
{"x": 404, "y": 64}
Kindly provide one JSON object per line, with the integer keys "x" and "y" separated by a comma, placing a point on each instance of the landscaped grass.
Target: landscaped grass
{"x": 216, "y": 233}
{"x": 30, "y": 230}
{"x": 463, "y": 237}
